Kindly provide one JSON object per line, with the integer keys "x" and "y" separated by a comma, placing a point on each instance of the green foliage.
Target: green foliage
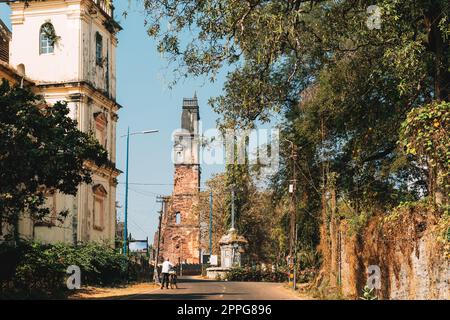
{"x": 41, "y": 150}
{"x": 256, "y": 274}
{"x": 368, "y": 294}
{"x": 341, "y": 90}
{"x": 50, "y": 32}
{"x": 425, "y": 135}
{"x": 308, "y": 259}
{"x": 35, "y": 269}
{"x": 254, "y": 209}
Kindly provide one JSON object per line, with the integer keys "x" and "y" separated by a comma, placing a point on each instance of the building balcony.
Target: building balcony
{"x": 106, "y": 6}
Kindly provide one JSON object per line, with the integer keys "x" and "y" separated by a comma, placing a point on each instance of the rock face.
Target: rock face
{"x": 180, "y": 230}
{"x": 412, "y": 262}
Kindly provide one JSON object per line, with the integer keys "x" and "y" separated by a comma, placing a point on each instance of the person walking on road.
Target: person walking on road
{"x": 166, "y": 266}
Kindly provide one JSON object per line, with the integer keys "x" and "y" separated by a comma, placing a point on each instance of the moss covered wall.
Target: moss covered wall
{"x": 407, "y": 246}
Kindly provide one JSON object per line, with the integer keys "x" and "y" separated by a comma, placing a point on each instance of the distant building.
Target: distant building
{"x": 119, "y": 234}
{"x": 7, "y": 71}
{"x": 180, "y": 230}
{"x": 68, "y": 49}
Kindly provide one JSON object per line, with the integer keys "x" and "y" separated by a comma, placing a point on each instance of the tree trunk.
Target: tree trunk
{"x": 440, "y": 49}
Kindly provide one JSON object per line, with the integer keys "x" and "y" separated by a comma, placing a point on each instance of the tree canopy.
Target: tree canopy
{"x": 41, "y": 151}
{"x": 359, "y": 84}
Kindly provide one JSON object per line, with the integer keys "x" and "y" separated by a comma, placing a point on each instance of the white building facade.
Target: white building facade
{"x": 68, "y": 48}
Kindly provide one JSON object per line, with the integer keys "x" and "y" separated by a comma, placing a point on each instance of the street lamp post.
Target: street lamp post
{"x": 125, "y": 224}
{"x": 210, "y": 223}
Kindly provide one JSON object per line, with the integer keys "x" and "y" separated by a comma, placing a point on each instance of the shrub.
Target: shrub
{"x": 31, "y": 268}
{"x": 256, "y": 274}
{"x": 35, "y": 269}
{"x": 102, "y": 265}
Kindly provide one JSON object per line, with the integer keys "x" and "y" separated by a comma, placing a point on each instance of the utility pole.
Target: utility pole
{"x": 293, "y": 191}
{"x": 292, "y": 224}
{"x": 295, "y": 258}
{"x": 161, "y": 200}
{"x": 125, "y": 224}
{"x": 210, "y": 223}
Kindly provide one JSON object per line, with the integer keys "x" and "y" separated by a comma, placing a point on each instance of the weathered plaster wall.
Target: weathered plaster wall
{"x": 412, "y": 261}
{"x": 26, "y": 23}
{"x": 71, "y": 74}
{"x": 75, "y": 23}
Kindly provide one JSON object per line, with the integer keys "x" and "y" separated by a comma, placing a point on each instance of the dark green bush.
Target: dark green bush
{"x": 256, "y": 274}
{"x": 102, "y": 265}
{"x": 35, "y": 269}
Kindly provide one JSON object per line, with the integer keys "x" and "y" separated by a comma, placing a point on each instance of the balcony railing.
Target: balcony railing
{"x": 106, "y": 6}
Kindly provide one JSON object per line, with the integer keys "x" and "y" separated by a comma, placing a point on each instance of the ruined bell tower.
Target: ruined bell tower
{"x": 180, "y": 225}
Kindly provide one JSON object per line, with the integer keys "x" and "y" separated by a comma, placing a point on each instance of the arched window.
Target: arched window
{"x": 98, "y": 49}
{"x": 100, "y": 202}
{"x": 47, "y": 38}
{"x": 177, "y": 218}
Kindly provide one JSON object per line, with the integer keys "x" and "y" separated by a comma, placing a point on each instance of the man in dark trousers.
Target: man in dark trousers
{"x": 173, "y": 278}
{"x": 166, "y": 266}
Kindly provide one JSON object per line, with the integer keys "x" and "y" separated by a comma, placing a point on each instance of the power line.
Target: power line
{"x": 145, "y": 193}
{"x": 148, "y": 184}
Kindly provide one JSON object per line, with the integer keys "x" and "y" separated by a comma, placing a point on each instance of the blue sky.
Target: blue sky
{"x": 148, "y": 103}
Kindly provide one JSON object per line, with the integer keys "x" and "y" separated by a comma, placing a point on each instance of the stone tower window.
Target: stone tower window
{"x": 98, "y": 49}
{"x": 177, "y": 218}
{"x": 46, "y": 39}
{"x": 178, "y": 152}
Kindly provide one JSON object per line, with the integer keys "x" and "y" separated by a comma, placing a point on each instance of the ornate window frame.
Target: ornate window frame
{"x": 100, "y": 195}
{"x": 101, "y": 125}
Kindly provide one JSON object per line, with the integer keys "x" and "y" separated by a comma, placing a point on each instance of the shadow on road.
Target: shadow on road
{"x": 185, "y": 291}
{"x": 178, "y": 296}
{"x": 195, "y": 279}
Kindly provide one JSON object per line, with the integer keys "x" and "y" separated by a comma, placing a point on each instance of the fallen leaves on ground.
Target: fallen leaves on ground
{"x": 104, "y": 293}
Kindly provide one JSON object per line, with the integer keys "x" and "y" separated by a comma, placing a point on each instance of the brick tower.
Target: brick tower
{"x": 180, "y": 225}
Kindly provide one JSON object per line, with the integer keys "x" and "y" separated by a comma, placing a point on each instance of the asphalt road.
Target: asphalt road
{"x": 191, "y": 288}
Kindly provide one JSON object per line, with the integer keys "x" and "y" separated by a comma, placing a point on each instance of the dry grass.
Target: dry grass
{"x": 105, "y": 293}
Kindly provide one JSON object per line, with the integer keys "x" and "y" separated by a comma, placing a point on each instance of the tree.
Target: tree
{"x": 41, "y": 150}
{"x": 344, "y": 76}
{"x": 367, "y": 77}
{"x": 257, "y": 221}
{"x": 425, "y": 136}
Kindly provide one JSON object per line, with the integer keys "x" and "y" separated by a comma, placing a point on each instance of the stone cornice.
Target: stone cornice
{"x": 73, "y": 84}
{"x": 106, "y": 171}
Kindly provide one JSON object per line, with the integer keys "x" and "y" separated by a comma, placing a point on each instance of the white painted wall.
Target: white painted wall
{"x": 74, "y": 56}
{"x": 62, "y": 65}
{"x": 73, "y": 60}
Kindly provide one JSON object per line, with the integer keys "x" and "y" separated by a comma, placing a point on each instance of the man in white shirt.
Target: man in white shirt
{"x": 166, "y": 266}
